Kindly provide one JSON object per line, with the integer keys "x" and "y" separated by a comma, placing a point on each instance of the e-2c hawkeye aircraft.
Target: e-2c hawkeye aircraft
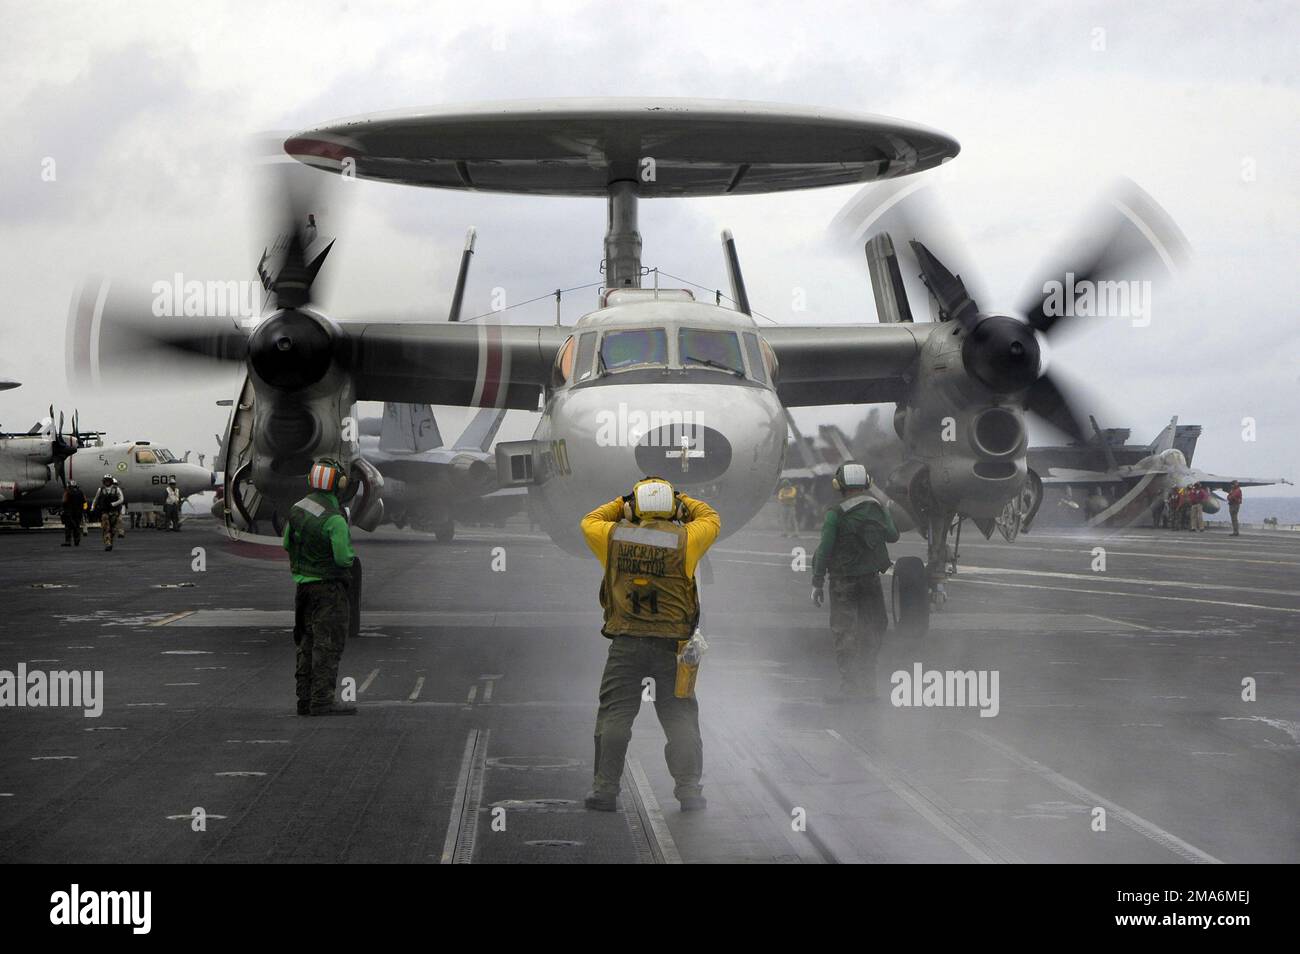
{"x": 142, "y": 470}
{"x": 652, "y": 380}
{"x": 33, "y": 466}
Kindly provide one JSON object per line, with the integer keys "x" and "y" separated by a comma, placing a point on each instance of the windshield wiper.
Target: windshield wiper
{"x": 709, "y": 362}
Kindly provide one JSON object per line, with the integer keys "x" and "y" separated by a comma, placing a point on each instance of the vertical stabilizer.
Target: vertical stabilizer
{"x": 411, "y": 428}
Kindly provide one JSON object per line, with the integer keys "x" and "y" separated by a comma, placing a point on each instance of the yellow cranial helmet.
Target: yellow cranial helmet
{"x": 653, "y": 497}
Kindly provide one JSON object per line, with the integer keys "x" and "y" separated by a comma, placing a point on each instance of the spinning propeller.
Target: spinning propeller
{"x": 1127, "y": 238}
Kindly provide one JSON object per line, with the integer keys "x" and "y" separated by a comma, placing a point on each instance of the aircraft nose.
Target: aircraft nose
{"x": 685, "y": 454}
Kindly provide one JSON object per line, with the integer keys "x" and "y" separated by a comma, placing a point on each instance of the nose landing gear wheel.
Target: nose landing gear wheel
{"x": 445, "y": 531}
{"x": 910, "y": 597}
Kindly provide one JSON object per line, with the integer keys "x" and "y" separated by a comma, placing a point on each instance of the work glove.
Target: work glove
{"x": 680, "y": 513}
{"x": 817, "y": 596}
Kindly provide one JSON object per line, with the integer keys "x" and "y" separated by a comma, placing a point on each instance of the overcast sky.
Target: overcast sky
{"x": 148, "y": 110}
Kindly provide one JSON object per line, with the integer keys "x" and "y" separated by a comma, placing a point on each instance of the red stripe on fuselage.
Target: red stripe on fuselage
{"x": 317, "y": 147}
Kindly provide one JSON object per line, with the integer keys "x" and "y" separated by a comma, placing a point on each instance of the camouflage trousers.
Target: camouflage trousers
{"x": 322, "y": 612}
{"x": 858, "y": 623}
{"x": 631, "y": 660}
{"x": 110, "y": 522}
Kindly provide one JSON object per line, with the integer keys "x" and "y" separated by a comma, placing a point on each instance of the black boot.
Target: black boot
{"x": 333, "y": 709}
{"x": 601, "y": 802}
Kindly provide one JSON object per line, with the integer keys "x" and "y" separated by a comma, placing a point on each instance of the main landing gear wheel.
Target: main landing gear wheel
{"x": 445, "y": 531}
{"x": 910, "y": 597}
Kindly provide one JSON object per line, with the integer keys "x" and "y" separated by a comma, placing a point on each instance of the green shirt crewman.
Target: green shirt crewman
{"x": 320, "y": 558}
{"x": 854, "y": 551}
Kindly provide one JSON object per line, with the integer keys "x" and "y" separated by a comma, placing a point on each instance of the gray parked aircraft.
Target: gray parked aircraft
{"x": 651, "y": 381}
{"x": 429, "y": 485}
{"x": 33, "y": 465}
{"x": 1121, "y": 494}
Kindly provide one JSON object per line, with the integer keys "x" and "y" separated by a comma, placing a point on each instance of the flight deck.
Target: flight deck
{"x": 1118, "y": 731}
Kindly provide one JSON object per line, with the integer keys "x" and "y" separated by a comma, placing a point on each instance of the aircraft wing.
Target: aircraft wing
{"x": 465, "y": 364}
{"x": 1063, "y": 476}
{"x": 844, "y": 364}
{"x": 1223, "y": 483}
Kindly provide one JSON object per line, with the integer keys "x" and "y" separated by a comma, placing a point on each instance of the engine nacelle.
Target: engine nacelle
{"x": 969, "y": 441}
{"x": 303, "y": 398}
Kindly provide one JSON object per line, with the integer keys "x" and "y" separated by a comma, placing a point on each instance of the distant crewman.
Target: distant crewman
{"x": 788, "y": 495}
{"x": 1198, "y": 496}
{"x": 74, "y": 507}
{"x": 1234, "y": 507}
{"x": 854, "y": 551}
{"x": 321, "y": 558}
{"x": 172, "y": 507}
{"x": 649, "y": 543}
{"x": 1182, "y": 509}
{"x": 109, "y": 503}
{"x": 121, "y": 524}
{"x": 1171, "y": 510}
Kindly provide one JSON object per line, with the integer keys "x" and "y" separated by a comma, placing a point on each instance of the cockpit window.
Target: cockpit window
{"x": 627, "y": 349}
{"x": 164, "y": 455}
{"x": 586, "y": 351}
{"x": 145, "y": 457}
{"x": 711, "y": 349}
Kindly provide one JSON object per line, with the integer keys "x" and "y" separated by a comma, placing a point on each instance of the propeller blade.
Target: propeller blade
{"x": 1127, "y": 238}
{"x": 292, "y": 195}
{"x": 909, "y": 210}
{"x": 948, "y": 290}
{"x": 1049, "y": 401}
{"x": 114, "y": 336}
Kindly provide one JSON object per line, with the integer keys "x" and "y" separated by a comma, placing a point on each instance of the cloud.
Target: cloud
{"x": 149, "y": 110}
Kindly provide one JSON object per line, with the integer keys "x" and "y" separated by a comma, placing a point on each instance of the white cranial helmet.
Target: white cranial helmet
{"x": 653, "y": 497}
{"x": 853, "y": 476}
